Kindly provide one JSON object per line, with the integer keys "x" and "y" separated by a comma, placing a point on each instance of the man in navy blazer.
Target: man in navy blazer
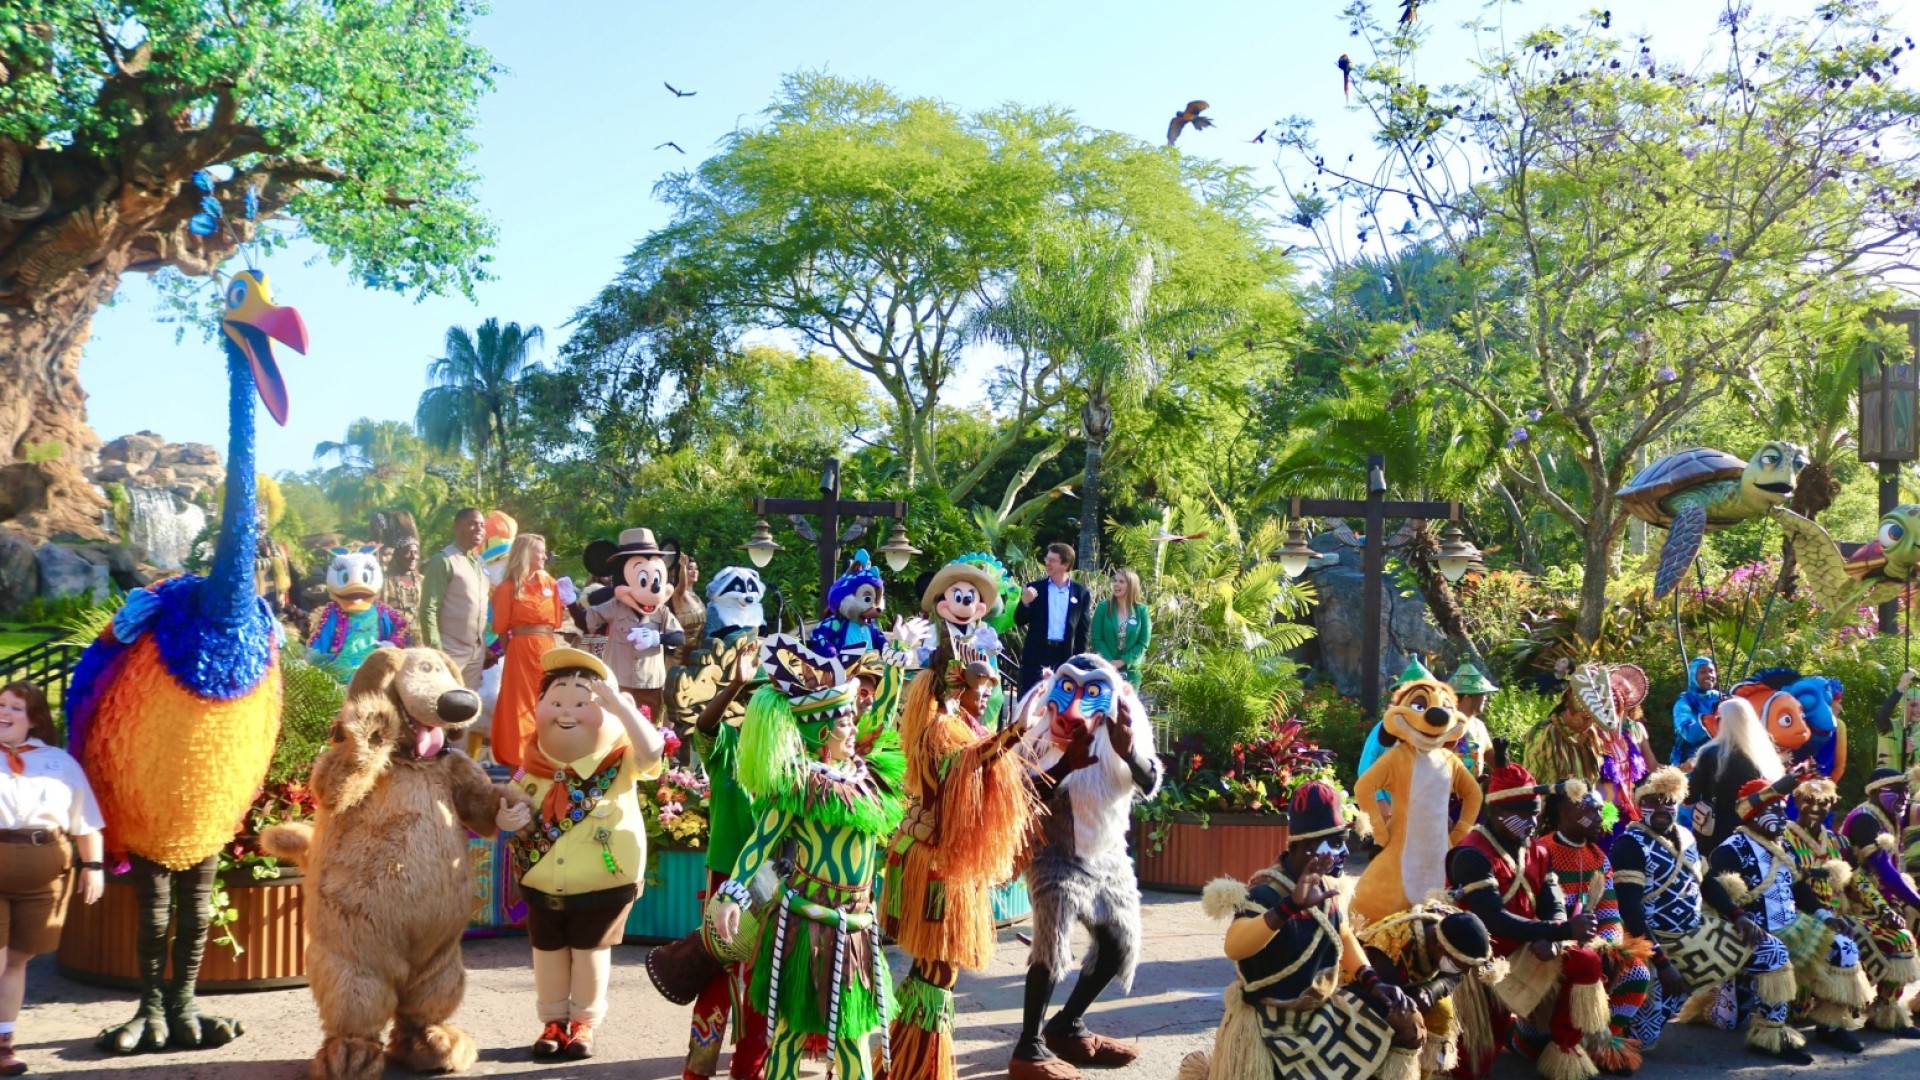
{"x": 1056, "y": 613}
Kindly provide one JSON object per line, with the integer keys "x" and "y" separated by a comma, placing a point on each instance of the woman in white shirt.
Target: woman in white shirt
{"x": 46, "y": 807}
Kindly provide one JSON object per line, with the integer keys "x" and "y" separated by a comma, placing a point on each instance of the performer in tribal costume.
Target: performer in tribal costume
{"x": 818, "y": 967}
{"x": 1426, "y": 951}
{"x": 1762, "y": 877}
{"x": 1586, "y": 881}
{"x": 1584, "y": 738}
{"x": 969, "y": 811}
{"x": 1502, "y": 873}
{"x": 1881, "y": 902}
{"x": 1658, "y": 877}
{"x": 1090, "y": 742}
{"x": 1292, "y": 946}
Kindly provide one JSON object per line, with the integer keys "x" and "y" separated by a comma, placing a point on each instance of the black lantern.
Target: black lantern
{"x": 1890, "y": 396}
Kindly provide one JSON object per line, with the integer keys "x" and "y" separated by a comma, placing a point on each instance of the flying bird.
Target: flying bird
{"x": 1189, "y": 115}
{"x": 679, "y": 93}
{"x": 1346, "y": 76}
{"x": 1260, "y": 138}
{"x": 1408, "y": 9}
{"x": 1165, "y": 537}
{"x": 675, "y": 145}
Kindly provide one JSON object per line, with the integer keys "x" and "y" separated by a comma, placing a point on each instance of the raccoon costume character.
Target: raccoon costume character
{"x": 1089, "y": 738}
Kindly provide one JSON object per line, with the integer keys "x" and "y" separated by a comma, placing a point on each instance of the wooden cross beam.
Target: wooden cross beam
{"x": 1376, "y": 508}
{"x": 831, "y": 508}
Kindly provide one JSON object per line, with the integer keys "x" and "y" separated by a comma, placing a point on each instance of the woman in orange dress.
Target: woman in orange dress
{"x": 526, "y": 613}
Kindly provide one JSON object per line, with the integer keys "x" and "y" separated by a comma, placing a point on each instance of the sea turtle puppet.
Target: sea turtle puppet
{"x": 1875, "y": 573}
{"x": 1691, "y": 492}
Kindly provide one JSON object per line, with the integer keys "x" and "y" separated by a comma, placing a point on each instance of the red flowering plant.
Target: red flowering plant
{"x": 1255, "y": 776}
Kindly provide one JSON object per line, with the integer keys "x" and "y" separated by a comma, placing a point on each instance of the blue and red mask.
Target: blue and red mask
{"x": 1080, "y": 699}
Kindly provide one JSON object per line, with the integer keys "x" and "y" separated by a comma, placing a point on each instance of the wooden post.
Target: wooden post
{"x": 831, "y": 508}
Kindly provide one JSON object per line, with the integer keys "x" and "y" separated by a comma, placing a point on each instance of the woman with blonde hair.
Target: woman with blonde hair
{"x": 527, "y": 613}
{"x": 1740, "y": 751}
{"x": 1122, "y": 629}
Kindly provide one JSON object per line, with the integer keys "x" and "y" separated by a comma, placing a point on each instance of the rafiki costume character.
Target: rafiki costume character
{"x": 383, "y": 947}
{"x": 1304, "y": 1001}
{"x": 1418, "y": 774}
{"x": 174, "y": 708}
{"x": 818, "y": 967}
{"x": 639, "y": 624}
{"x": 855, "y": 602}
{"x": 354, "y": 622}
{"x": 1089, "y": 736}
{"x": 581, "y": 859}
{"x": 969, "y": 811}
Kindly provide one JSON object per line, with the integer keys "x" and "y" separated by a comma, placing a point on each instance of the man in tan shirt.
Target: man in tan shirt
{"x": 453, "y": 599}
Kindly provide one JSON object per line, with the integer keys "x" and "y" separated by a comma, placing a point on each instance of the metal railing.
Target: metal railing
{"x": 47, "y": 663}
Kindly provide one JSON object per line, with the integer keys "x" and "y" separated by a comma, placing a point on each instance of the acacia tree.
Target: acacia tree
{"x": 872, "y": 226}
{"x": 1659, "y": 229}
{"x": 347, "y": 120}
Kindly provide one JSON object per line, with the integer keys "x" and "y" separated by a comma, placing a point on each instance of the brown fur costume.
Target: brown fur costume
{"x": 389, "y": 889}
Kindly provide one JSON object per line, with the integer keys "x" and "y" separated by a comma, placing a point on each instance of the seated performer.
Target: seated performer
{"x": 1657, "y": 875}
{"x": 1762, "y": 877}
{"x": 1882, "y": 903}
{"x": 1287, "y": 1014}
{"x": 1586, "y": 881}
{"x": 1426, "y": 951}
{"x": 1502, "y": 874}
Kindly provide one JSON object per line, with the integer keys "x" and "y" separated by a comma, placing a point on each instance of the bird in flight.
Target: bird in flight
{"x": 675, "y": 145}
{"x": 1408, "y": 9}
{"x": 1260, "y": 138}
{"x": 1189, "y": 115}
{"x": 678, "y": 93}
{"x": 1165, "y": 537}
{"x": 1346, "y": 75}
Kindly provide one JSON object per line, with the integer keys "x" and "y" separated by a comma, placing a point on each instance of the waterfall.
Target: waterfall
{"x": 163, "y": 525}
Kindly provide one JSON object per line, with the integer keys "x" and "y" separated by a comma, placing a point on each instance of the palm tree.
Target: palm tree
{"x": 471, "y": 401}
{"x": 380, "y": 465}
{"x": 1088, "y": 303}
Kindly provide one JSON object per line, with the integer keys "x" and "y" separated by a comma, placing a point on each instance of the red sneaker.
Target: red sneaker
{"x": 579, "y": 1040}
{"x": 552, "y": 1041}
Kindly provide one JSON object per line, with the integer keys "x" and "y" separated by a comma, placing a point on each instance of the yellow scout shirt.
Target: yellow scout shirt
{"x": 574, "y": 864}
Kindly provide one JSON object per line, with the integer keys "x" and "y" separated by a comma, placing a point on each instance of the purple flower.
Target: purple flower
{"x": 1666, "y": 374}
{"x": 1534, "y": 415}
{"x": 1713, "y": 238}
{"x": 1519, "y": 436}
{"x": 1727, "y": 254}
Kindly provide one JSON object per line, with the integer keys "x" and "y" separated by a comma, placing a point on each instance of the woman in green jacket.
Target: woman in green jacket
{"x": 1121, "y": 629}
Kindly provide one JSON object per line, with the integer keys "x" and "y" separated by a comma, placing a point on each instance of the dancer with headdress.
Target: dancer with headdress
{"x": 1304, "y": 1001}
{"x": 1762, "y": 877}
{"x": 1882, "y": 902}
{"x": 1660, "y": 879}
{"x": 1503, "y": 874}
{"x": 1426, "y": 951}
{"x": 818, "y": 968}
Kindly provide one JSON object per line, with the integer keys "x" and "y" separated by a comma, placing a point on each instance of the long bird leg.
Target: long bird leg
{"x": 187, "y": 1027}
{"x": 148, "y": 1028}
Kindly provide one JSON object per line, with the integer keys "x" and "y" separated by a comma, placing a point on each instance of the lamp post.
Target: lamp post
{"x": 1890, "y": 422}
{"x": 1454, "y": 556}
{"x": 830, "y": 508}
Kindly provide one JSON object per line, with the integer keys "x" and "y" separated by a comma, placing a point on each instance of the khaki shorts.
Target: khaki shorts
{"x": 35, "y": 882}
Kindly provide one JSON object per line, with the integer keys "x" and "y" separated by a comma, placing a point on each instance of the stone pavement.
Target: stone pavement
{"x": 1173, "y": 1009}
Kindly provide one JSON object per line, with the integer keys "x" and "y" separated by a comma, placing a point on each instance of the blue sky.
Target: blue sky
{"x": 567, "y": 163}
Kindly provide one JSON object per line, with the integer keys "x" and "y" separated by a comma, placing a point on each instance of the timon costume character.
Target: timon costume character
{"x": 174, "y": 708}
{"x": 354, "y": 622}
{"x": 1419, "y": 774}
{"x": 1090, "y": 740}
{"x": 818, "y": 967}
{"x": 969, "y": 810}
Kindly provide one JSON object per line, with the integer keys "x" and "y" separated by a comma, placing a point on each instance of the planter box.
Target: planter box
{"x": 669, "y": 907}
{"x": 1011, "y": 904}
{"x": 1229, "y": 845}
{"x": 97, "y": 945}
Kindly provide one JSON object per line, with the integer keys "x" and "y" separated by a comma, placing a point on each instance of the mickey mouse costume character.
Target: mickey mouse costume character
{"x": 1090, "y": 740}
{"x": 639, "y": 624}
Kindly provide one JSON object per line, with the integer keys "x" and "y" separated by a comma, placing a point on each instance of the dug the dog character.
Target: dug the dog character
{"x": 384, "y": 942}
{"x": 1090, "y": 739}
{"x": 582, "y": 854}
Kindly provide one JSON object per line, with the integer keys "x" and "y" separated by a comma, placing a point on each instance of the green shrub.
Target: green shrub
{"x": 312, "y": 700}
{"x": 1335, "y": 723}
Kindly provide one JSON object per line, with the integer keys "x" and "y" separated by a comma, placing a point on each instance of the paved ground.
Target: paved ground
{"x": 1173, "y": 1009}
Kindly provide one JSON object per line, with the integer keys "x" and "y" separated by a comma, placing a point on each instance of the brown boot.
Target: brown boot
{"x": 10, "y": 1065}
{"x": 1092, "y": 1051}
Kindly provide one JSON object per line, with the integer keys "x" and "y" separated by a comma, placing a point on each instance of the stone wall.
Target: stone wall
{"x": 1335, "y": 650}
